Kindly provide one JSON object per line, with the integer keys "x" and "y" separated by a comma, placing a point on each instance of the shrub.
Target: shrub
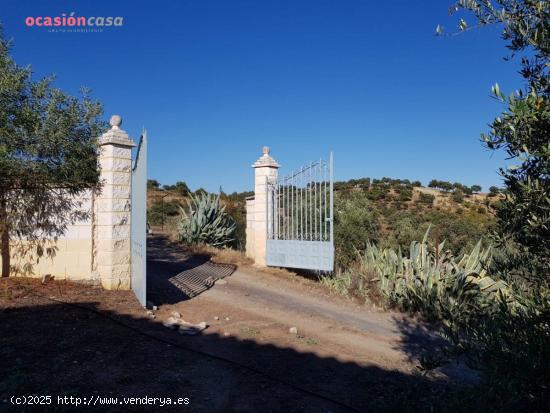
{"x": 206, "y": 222}
{"x": 458, "y": 196}
{"x": 237, "y": 211}
{"x": 427, "y": 199}
{"x": 160, "y": 211}
{"x": 458, "y": 229}
{"x": 354, "y": 283}
{"x": 355, "y": 222}
{"x": 377, "y": 192}
{"x": 405, "y": 193}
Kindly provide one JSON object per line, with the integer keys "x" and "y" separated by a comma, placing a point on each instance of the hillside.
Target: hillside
{"x": 393, "y": 213}
{"x": 389, "y": 212}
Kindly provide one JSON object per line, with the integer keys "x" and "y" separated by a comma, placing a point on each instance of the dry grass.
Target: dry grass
{"x": 356, "y": 283}
{"x": 221, "y": 255}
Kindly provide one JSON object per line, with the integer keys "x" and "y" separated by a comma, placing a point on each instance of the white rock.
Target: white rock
{"x": 171, "y": 323}
{"x": 191, "y": 329}
{"x": 227, "y": 319}
{"x": 221, "y": 282}
{"x": 175, "y": 314}
{"x": 216, "y": 318}
{"x": 293, "y": 330}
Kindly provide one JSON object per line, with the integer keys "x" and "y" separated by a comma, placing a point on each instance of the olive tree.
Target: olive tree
{"x": 523, "y": 129}
{"x": 508, "y": 342}
{"x": 48, "y": 156}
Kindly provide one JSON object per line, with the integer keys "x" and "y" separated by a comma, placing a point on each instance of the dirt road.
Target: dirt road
{"x": 67, "y": 339}
{"x": 340, "y": 349}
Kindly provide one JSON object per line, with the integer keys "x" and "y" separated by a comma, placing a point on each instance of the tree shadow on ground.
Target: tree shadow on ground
{"x": 420, "y": 339}
{"x": 88, "y": 351}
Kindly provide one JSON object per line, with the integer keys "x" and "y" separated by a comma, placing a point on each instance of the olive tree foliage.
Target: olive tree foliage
{"x": 509, "y": 342}
{"x": 523, "y": 129}
{"x": 48, "y": 156}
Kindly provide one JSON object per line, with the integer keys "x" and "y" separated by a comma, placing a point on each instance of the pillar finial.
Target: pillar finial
{"x": 115, "y": 135}
{"x": 265, "y": 160}
{"x": 115, "y": 121}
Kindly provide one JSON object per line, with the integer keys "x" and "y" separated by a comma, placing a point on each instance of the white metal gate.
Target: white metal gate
{"x": 300, "y": 225}
{"x": 139, "y": 221}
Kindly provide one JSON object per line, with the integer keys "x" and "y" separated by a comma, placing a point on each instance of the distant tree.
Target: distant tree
{"x": 445, "y": 186}
{"x": 475, "y": 188}
{"x": 200, "y": 192}
{"x": 48, "y": 156}
{"x": 416, "y": 184}
{"x": 433, "y": 184}
{"x": 494, "y": 190}
{"x": 181, "y": 188}
{"x": 153, "y": 184}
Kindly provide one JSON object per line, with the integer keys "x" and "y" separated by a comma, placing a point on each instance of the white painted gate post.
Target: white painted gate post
{"x": 266, "y": 169}
{"x": 113, "y": 204}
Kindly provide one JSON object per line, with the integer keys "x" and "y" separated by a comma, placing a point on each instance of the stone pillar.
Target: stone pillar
{"x": 266, "y": 169}
{"x": 112, "y": 209}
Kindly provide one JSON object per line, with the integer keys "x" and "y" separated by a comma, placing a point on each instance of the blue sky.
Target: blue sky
{"x": 214, "y": 81}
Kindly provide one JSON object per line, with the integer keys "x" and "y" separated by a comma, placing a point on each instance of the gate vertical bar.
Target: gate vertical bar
{"x": 321, "y": 223}
{"x": 331, "y": 165}
{"x": 325, "y": 178}
{"x": 267, "y": 208}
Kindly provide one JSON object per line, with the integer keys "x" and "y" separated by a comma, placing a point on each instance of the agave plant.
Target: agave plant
{"x": 206, "y": 222}
{"x": 431, "y": 280}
